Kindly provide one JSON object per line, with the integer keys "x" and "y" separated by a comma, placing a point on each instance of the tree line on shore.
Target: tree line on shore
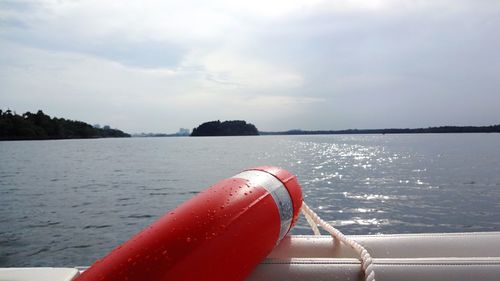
{"x": 241, "y": 128}
{"x": 226, "y": 128}
{"x": 429, "y": 130}
{"x": 36, "y": 126}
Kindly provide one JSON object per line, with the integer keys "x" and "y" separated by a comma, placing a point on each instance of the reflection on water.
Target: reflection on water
{"x": 69, "y": 202}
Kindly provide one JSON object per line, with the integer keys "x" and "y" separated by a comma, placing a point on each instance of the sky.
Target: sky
{"x": 157, "y": 66}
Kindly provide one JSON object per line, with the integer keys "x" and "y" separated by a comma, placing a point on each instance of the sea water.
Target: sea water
{"x": 69, "y": 202}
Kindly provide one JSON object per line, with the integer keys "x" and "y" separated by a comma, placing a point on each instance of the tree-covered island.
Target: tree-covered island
{"x": 226, "y": 128}
{"x": 39, "y": 126}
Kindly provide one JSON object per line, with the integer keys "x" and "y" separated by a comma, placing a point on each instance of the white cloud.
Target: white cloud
{"x": 250, "y": 74}
{"x": 97, "y": 91}
{"x": 160, "y": 65}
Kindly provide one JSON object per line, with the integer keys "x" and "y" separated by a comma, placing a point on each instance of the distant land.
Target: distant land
{"x": 39, "y": 126}
{"x": 226, "y": 128}
{"x": 429, "y": 130}
{"x": 183, "y": 132}
{"x": 215, "y": 128}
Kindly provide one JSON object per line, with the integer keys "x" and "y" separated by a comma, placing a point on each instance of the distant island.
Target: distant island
{"x": 226, "y": 128}
{"x": 39, "y": 126}
{"x": 429, "y": 130}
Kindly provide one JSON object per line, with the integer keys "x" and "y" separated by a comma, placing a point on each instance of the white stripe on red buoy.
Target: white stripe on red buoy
{"x": 279, "y": 193}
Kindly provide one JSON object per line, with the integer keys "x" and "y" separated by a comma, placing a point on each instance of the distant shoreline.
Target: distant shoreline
{"x": 393, "y": 131}
{"x": 39, "y": 126}
{"x": 429, "y": 130}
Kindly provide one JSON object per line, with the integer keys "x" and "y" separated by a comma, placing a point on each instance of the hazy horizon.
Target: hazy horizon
{"x": 157, "y": 66}
{"x": 264, "y": 131}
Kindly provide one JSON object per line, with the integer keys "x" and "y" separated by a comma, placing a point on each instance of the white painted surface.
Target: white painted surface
{"x": 38, "y": 274}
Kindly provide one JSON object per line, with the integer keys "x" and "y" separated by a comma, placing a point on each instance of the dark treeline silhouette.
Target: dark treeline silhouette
{"x": 37, "y": 126}
{"x": 226, "y": 128}
{"x": 430, "y": 130}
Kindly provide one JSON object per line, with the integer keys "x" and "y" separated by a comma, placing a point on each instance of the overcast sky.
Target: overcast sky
{"x": 156, "y": 66}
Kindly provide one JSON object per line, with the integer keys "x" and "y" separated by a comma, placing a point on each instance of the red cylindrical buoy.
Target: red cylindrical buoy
{"x": 220, "y": 234}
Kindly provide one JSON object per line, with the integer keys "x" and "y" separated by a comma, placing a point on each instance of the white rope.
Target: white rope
{"x": 366, "y": 260}
{"x": 312, "y": 224}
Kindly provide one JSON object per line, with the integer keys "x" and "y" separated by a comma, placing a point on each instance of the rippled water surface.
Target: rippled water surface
{"x": 68, "y": 202}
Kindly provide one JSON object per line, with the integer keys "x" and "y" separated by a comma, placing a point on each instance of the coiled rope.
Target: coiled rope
{"x": 314, "y": 220}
